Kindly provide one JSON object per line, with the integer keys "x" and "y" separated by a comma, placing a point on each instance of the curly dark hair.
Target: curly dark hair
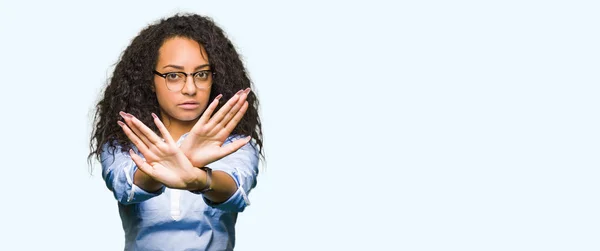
{"x": 130, "y": 87}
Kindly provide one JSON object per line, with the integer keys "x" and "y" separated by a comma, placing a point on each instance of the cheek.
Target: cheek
{"x": 164, "y": 98}
{"x": 206, "y": 100}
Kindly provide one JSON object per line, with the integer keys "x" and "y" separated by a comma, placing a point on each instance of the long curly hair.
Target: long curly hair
{"x": 130, "y": 87}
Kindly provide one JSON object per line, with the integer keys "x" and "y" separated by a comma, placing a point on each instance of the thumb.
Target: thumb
{"x": 234, "y": 146}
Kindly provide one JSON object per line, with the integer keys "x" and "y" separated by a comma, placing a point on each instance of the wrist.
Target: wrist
{"x": 145, "y": 182}
{"x": 204, "y": 181}
{"x": 186, "y": 152}
{"x": 198, "y": 164}
{"x": 198, "y": 180}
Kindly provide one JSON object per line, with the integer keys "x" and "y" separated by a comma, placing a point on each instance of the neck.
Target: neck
{"x": 177, "y": 127}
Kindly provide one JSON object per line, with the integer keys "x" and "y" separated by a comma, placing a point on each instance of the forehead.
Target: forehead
{"x": 182, "y": 51}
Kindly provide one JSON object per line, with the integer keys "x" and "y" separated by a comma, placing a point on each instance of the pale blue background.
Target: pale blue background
{"x": 421, "y": 125}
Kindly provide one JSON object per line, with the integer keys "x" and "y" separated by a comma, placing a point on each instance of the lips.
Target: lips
{"x": 189, "y": 105}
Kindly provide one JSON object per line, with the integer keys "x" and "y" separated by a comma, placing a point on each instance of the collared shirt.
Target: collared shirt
{"x": 173, "y": 219}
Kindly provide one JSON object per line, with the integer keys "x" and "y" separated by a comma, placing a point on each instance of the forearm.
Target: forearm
{"x": 122, "y": 178}
{"x": 222, "y": 184}
{"x": 233, "y": 177}
{"x": 143, "y": 181}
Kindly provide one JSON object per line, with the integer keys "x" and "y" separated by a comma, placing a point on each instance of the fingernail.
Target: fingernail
{"x": 129, "y": 115}
{"x": 247, "y": 90}
{"x": 123, "y": 114}
{"x": 131, "y": 152}
{"x": 154, "y": 116}
{"x": 120, "y": 123}
{"x": 240, "y": 91}
{"x": 219, "y": 96}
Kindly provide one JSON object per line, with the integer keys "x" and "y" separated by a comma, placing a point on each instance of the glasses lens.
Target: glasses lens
{"x": 175, "y": 80}
{"x": 202, "y": 78}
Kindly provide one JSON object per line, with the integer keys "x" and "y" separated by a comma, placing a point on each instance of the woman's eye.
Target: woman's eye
{"x": 172, "y": 76}
{"x": 201, "y": 75}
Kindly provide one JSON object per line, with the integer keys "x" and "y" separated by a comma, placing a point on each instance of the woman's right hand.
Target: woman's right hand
{"x": 204, "y": 143}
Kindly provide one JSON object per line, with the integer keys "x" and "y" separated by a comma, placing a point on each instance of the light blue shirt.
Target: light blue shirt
{"x": 173, "y": 219}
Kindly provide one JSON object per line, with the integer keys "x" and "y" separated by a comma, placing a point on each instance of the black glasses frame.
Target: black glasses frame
{"x": 164, "y": 75}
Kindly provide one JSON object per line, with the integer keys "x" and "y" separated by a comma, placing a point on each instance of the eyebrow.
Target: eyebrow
{"x": 181, "y": 67}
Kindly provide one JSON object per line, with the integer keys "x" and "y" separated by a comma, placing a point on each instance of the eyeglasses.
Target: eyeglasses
{"x": 176, "y": 80}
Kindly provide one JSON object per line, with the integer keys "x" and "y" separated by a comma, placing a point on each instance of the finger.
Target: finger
{"x": 234, "y": 146}
{"x": 237, "y": 118}
{"x": 209, "y": 111}
{"x": 235, "y": 108}
{"x": 225, "y": 109}
{"x": 141, "y": 164}
{"x": 128, "y": 120}
{"x": 146, "y": 132}
{"x": 155, "y": 172}
{"x": 141, "y": 146}
{"x": 163, "y": 130}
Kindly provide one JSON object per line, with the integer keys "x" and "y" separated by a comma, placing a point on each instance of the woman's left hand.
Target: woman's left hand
{"x": 165, "y": 162}
{"x": 204, "y": 143}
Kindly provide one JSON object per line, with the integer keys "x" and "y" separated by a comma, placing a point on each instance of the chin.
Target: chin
{"x": 188, "y": 116}
{"x": 183, "y": 115}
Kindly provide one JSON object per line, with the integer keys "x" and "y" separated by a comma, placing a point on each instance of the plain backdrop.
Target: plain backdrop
{"x": 400, "y": 125}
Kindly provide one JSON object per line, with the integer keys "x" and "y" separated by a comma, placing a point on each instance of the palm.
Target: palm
{"x": 204, "y": 143}
{"x": 204, "y": 147}
{"x": 173, "y": 171}
{"x": 164, "y": 161}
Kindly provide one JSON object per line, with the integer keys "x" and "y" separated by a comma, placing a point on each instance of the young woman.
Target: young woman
{"x": 179, "y": 161}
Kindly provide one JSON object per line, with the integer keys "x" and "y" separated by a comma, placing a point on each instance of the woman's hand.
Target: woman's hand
{"x": 165, "y": 162}
{"x": 204, "y": 143}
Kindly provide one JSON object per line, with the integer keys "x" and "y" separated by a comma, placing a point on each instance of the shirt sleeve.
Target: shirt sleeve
{"x": 242, "y": 166}
{"x": 118, "y": 170}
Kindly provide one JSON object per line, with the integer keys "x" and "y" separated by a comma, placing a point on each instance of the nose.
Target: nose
{"x": 189, "y": 88}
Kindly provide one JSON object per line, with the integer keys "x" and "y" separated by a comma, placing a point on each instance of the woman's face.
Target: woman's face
{"x": 182, "y": 55}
